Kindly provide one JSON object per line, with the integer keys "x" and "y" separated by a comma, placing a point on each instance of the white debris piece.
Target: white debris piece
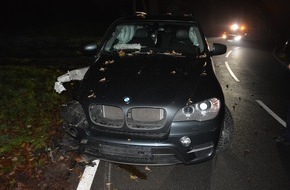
{"x": 58, "y": 87}
{"x": 77, "y": 74}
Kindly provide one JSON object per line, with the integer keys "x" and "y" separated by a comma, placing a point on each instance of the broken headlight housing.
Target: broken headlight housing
{"x": 73, "y": 114}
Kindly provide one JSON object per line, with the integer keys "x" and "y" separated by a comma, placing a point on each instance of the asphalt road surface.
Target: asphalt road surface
{"x": 256, "y": 87}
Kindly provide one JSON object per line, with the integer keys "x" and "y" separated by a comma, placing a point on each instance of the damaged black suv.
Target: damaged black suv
{"x": 151, "y": 96}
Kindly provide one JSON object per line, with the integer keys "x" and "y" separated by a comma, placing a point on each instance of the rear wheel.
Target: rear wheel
{"x": 227, "y": 132}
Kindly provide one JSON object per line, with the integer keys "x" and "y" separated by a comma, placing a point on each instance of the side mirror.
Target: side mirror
{"x": 218, "y": 49}
{"x": 90, "y": 49}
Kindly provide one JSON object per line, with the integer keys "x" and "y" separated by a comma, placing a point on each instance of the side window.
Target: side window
{"x": 126, "y": 34}
{"x": 121, "y": 35}
{"x": 195, "y": 37}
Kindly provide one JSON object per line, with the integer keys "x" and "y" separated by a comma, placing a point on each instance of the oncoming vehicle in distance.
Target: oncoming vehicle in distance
{"x": 235, "y": 32}
{"x": 151, "y": 97}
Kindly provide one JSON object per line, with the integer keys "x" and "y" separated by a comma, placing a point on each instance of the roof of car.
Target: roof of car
{"x": 144, "y": 17}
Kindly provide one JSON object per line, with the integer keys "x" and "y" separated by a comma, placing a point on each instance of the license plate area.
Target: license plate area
{"x": 126, "y": 151}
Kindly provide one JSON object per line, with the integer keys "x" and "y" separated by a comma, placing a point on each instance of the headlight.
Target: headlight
{"x": 73, "y": 114}
{"x": 200, "y": 111}
{"x": 238, "y": 38}
{"x": 234, "y": 27}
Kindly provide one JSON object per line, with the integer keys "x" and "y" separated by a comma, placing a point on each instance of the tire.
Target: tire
{"x": 226, "y": 134}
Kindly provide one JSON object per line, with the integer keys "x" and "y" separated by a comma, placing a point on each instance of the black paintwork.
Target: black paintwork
{"x": 151, "y": 80}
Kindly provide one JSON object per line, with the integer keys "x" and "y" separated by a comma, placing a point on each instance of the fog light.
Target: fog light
{"x": 185, "y": 141}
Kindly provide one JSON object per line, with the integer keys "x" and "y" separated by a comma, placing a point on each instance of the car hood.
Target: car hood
{"x": 145, "y": 80}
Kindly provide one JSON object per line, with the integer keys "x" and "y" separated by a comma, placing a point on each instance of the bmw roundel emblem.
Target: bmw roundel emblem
{"x": 127, "y": 99}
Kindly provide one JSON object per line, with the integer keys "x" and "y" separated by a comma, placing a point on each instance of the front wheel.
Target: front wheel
{"x": 227, "y": 132}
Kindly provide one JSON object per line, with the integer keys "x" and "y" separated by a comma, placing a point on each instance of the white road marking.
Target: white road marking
{"x": 231, "y": 72}
{"x": 213, "y": 65}
{"x": 88, "y": 176}
{"x": 283, "y": 123}
{"x": 109, "y": 177}
{"x": 228, "y": 54}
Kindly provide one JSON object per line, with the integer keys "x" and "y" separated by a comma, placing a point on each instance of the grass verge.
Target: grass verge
{"x": 29, "y": 117}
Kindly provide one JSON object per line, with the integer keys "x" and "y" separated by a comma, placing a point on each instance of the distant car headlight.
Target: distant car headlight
{"x": 234, "y": 27}
{"x": 237, "y": 38}
{"x": 200, "y": 111}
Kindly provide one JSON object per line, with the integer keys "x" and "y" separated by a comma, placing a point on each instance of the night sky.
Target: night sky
{"x": 213, "y": 15}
